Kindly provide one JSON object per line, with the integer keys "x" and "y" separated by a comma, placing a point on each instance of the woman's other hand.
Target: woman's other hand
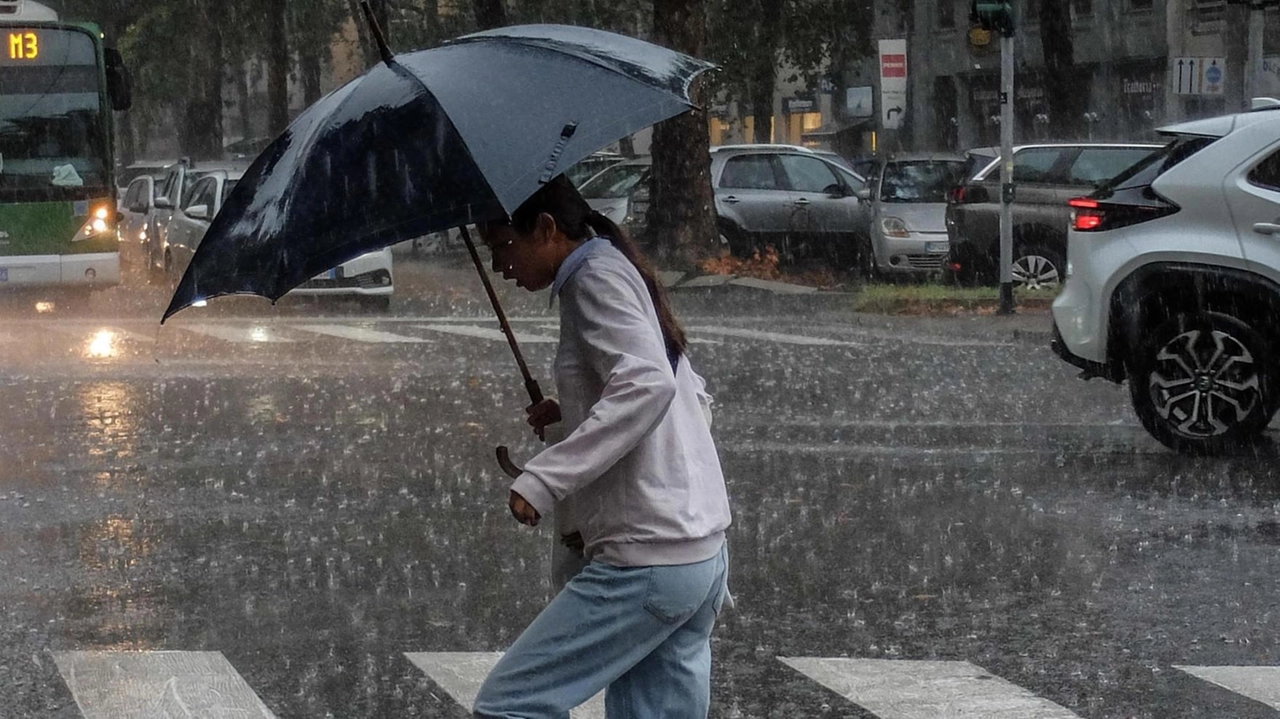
{"x": 522, "y": 510}
{"x": 541, "y": 415}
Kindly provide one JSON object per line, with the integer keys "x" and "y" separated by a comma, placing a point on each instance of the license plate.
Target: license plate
{"x": 937, "y": 247}
{"x": 4, "y": 274}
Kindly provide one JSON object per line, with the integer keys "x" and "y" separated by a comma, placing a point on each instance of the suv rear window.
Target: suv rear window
{"x": 1096, "y": 165}
{"x": 1156, "y": 164}
{"x": 1033, "y": 165}
{"x": 1267, "y": 173}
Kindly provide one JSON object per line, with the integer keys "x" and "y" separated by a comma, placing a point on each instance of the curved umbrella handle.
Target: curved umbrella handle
{"x": 504, "y": 461}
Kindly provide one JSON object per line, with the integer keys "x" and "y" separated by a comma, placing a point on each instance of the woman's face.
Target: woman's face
{"x": 529, "y": 259}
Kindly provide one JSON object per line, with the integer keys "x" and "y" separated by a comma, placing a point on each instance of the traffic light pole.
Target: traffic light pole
{"x": 1006, "y": 174}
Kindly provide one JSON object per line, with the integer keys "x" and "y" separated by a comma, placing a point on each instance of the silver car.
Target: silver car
{"x": 790, "y": 197}
{"x": 908, "y": 198}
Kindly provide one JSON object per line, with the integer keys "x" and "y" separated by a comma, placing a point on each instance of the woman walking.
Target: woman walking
{"x": 635, "y": 482}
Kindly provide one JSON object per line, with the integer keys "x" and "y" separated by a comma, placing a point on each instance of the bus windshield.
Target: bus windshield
{"x": 53, "y": 142}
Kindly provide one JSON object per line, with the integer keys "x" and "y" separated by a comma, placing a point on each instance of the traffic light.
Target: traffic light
{"x": 994, "y": 16}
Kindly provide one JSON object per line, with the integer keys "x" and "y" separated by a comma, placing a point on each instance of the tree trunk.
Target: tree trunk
{"x": 200, "y": 127}
{"x": 278, "y": 68}
{"x": 682, "y": 219}
{"x": 311, "y": 71}
{"x": 490, "y": 14}
{"x": 1066, "y": 95}
{"x": 764, "y": 73}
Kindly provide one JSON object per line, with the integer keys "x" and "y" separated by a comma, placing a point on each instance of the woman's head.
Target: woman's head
{"x": 541, "y": 233}
{"x": 547, "y": 227}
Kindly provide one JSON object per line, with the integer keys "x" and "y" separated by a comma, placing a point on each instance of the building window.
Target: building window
{"x": 718, "y": 128}
{"x": 801, "y": 122}
{"x": 1140, "y": 4}
{"x": 946, "y": 14}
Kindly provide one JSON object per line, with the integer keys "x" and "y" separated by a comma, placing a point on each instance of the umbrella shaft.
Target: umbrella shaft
{"x": 530, "y": 384}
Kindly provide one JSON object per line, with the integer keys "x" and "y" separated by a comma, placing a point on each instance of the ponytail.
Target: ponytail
{"x": 672, "y": 332}
{"x": 560, "y": 199}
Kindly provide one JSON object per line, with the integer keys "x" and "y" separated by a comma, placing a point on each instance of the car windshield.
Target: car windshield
{"x": 53, "y": 134}
{"x": 920, "y": 180}
{"x": 613, "y": 183}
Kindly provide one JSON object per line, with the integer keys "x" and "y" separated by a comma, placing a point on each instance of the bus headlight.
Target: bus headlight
{"x": 100, "y": 223}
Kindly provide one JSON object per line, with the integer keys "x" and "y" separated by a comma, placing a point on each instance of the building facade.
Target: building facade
{"x": 1125, "y": 52}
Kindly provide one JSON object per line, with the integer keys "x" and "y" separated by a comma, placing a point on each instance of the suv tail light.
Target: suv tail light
{"x": 1089, "y": 215}
{"x": 967, "y": 195}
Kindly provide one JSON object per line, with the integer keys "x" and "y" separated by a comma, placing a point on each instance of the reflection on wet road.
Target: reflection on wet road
{"x": 291, "y": 516}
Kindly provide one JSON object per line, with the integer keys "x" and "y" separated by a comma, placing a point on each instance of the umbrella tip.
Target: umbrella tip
{"x": 378, "y": 37}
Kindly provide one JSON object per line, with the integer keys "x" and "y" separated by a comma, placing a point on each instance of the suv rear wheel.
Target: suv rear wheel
{"x": 1038, "y": 267}
{"x": 1202, "y": 383}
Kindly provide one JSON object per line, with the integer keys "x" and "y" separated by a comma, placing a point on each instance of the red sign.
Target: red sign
{"x": 893, "y": 65}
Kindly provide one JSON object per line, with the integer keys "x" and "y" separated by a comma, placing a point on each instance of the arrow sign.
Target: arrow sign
{"x": 890, "y": 112}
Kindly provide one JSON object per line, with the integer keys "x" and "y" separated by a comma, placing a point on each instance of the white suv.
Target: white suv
{"x": 1174, "y": 283}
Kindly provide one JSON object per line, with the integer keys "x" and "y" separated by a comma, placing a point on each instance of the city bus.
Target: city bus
{"x": 58, "y": 86}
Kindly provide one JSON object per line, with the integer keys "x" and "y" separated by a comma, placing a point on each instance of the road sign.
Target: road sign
{"x": 1198, "y": 75}
{"x": 893, "y": 83}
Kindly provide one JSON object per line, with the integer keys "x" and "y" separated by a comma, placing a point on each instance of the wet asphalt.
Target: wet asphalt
{"x": 314, "y": 507}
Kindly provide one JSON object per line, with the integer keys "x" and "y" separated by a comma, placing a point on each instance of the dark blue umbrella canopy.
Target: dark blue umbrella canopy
{"x": 435, "y": 139}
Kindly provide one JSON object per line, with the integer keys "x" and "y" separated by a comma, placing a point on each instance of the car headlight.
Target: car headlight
{"x": 894, "y": 227}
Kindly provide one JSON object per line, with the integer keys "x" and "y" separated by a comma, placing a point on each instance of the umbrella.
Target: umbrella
{"x": 427, "y": 141}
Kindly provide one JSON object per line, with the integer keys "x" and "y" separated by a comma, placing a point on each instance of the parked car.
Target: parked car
{"x": 908, "y": 194}
{"x": 137, "y": 204}
{"x": 591, "y": 166}
{"x": 790, "y": 197}
{"x": 1046, "y": 176}
{"x": 610, "y": 191}
{"x": 1173, "y": 283}
{"x": 368, "y": 276}
{"x": 143, "y": 168}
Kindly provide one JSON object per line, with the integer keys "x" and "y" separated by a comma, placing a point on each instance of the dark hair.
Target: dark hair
{"x": 560, "y": 199}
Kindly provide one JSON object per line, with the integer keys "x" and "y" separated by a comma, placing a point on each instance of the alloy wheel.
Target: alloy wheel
{"x": 1036, "y": 272}
{"x": 1205, "y": 383}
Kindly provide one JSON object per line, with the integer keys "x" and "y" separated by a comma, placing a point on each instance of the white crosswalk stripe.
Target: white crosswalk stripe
{"x": 488, "y": 333}
{"x": 771, "y": 336}
{"x": 460, "y": 674}
{"x": 239, "y": 334}
{"x": 1261, "y": 684}
{"x": 201, "y": 683}
{"x": 89, "y": 334}
{"x": 109, "y": 685}
{"x": 356, "y": 333}
{"x": 904, "y": 689}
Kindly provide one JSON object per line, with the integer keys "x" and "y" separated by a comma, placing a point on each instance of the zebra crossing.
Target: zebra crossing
{"x": 204, "y": 683}
{"x": 397, "y": 331}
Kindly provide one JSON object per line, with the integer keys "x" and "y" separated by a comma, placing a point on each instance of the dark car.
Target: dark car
{"x": 1046, "y": 178}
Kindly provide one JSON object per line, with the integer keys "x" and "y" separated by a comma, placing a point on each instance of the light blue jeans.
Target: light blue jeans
{"x": 642, "y": 632}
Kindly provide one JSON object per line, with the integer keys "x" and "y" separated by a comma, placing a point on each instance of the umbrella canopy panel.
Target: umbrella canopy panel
{"x": 374, "y": 163}
{"x": 529, "y": 112}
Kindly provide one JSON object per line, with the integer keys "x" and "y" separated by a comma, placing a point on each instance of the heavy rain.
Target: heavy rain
{"x": 985, "y": 295}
